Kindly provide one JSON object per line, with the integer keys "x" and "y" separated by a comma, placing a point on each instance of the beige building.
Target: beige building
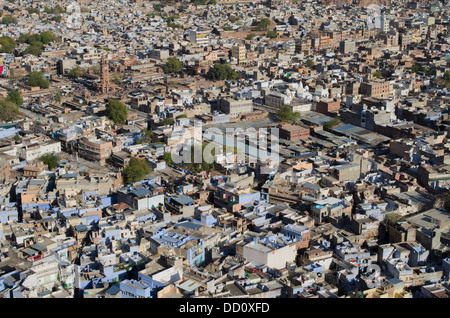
{"x": 236, "y": 107}
{"x": 260, "y": 254}
{"x": 239, "y": 53}
{"x": 377, "y": 89}
{"x": 95, "y": 150}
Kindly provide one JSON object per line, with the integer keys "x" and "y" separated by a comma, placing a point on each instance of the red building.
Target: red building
{"x": 293, "y": 132}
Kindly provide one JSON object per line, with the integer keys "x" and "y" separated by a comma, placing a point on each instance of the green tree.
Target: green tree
{"x": 199, "y": 2}
{"x": 271, "y": 34}
{"x": 447, "y": 76}
{"x": 174, "y": 25}
{"x": 377, "y": 74}
{"x": 443, "y": 200}
{"x": 58, "y": 9}
{"x": 147, "y": 135}
{"x": 286, "y": 114}
{"x": 309, "y": 63}
{"x": 35, "y": 50}
{"x": 419, "y": 68}
{"x": 32, "y": 10}
{"x": 227, "y": 28}
{"x": 173, "y": 65}
{"x": 116, "y": 111}
{"x": 58, "y": 97}
{"x": 167, "y": 157}
{"x": 392, "y": 218}
{"x": 116, "y": 80}
{"x": 263, "y": 24}
{"x": 29, "y": 38}
{"x": 77, "y": 72}
{"x": 250, "y": 36}
{"x": 14, "y": 97}
{"x": 50, "y": 159}
{"x": 8, "y": 110}
{"x": 47, "y": 37}
{"x": 332, "y": 123}
{"x": 207, "y": 163}
{"x": 136, "y": 170}
{"x": 167, "y": 121}
{"x": 9, "y": 19}
{"x": 233, "y": 19}
{"x": 36, "y": 78}
{"x": 39, "y": 44}
{"x": 172, "y": 18}
{"x": 8, "y": 44}
{"x": 223, "y": 72}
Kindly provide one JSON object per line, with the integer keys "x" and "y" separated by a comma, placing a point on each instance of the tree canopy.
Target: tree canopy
{"x": 9, "y": 19}
{"x": 136, "y": 170}
{"x": 377, "y": 74}
{"x": 332, "y": 123}
{"x": 77, "y": 72}
{"x": 286, "y": 114}
{"x": 15, "y": 97}
{"x": 420, "y": 68}
{"x": 271, "y": 34}
{"x": 173, "y": 65}
{"x": 36, "y": 41}
{"x": 8, "y": 44}
{"x": 50, "y": 159}
{"x": 34, "y": 49}
{"x": 309, "y": 63}
{"x": 447, "y": 76}
{"x": 8, "y": 110}
{"x": 445, "y": 200}
{"x": 58, "y": 97}
{"x": 32, "y": 10}
{"x": 223, "y": 72}
{"x": 47, "y": 37}
{"x": 116, "y": 111}
{"x": 147, "y": 135}
{"x": 167, "y": 157}
{"x": 167, "y": 121}
{"x": 36, "y": 78}
{"x": 263, "y": 24}
{"x": 207, "y": 163}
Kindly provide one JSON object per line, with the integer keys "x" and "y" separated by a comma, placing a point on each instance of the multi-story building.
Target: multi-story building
{"x": 236, "y": 107}
{"x": 97, "y": 150}
{"x": 34, "y": 148}
{"x": 379, "y": 89}
{"x": 277, "y": 99}
{"x": 198, "y": 37}
{"x": 347, "y": 46}
{"x": 329, "y": 208}
{"x": 293, "y": 132}
{"x": 326, "y": 106}
{"x": 238, "y": 52}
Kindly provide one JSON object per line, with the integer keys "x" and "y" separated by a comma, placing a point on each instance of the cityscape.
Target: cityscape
{"x": 224, "y": 149}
